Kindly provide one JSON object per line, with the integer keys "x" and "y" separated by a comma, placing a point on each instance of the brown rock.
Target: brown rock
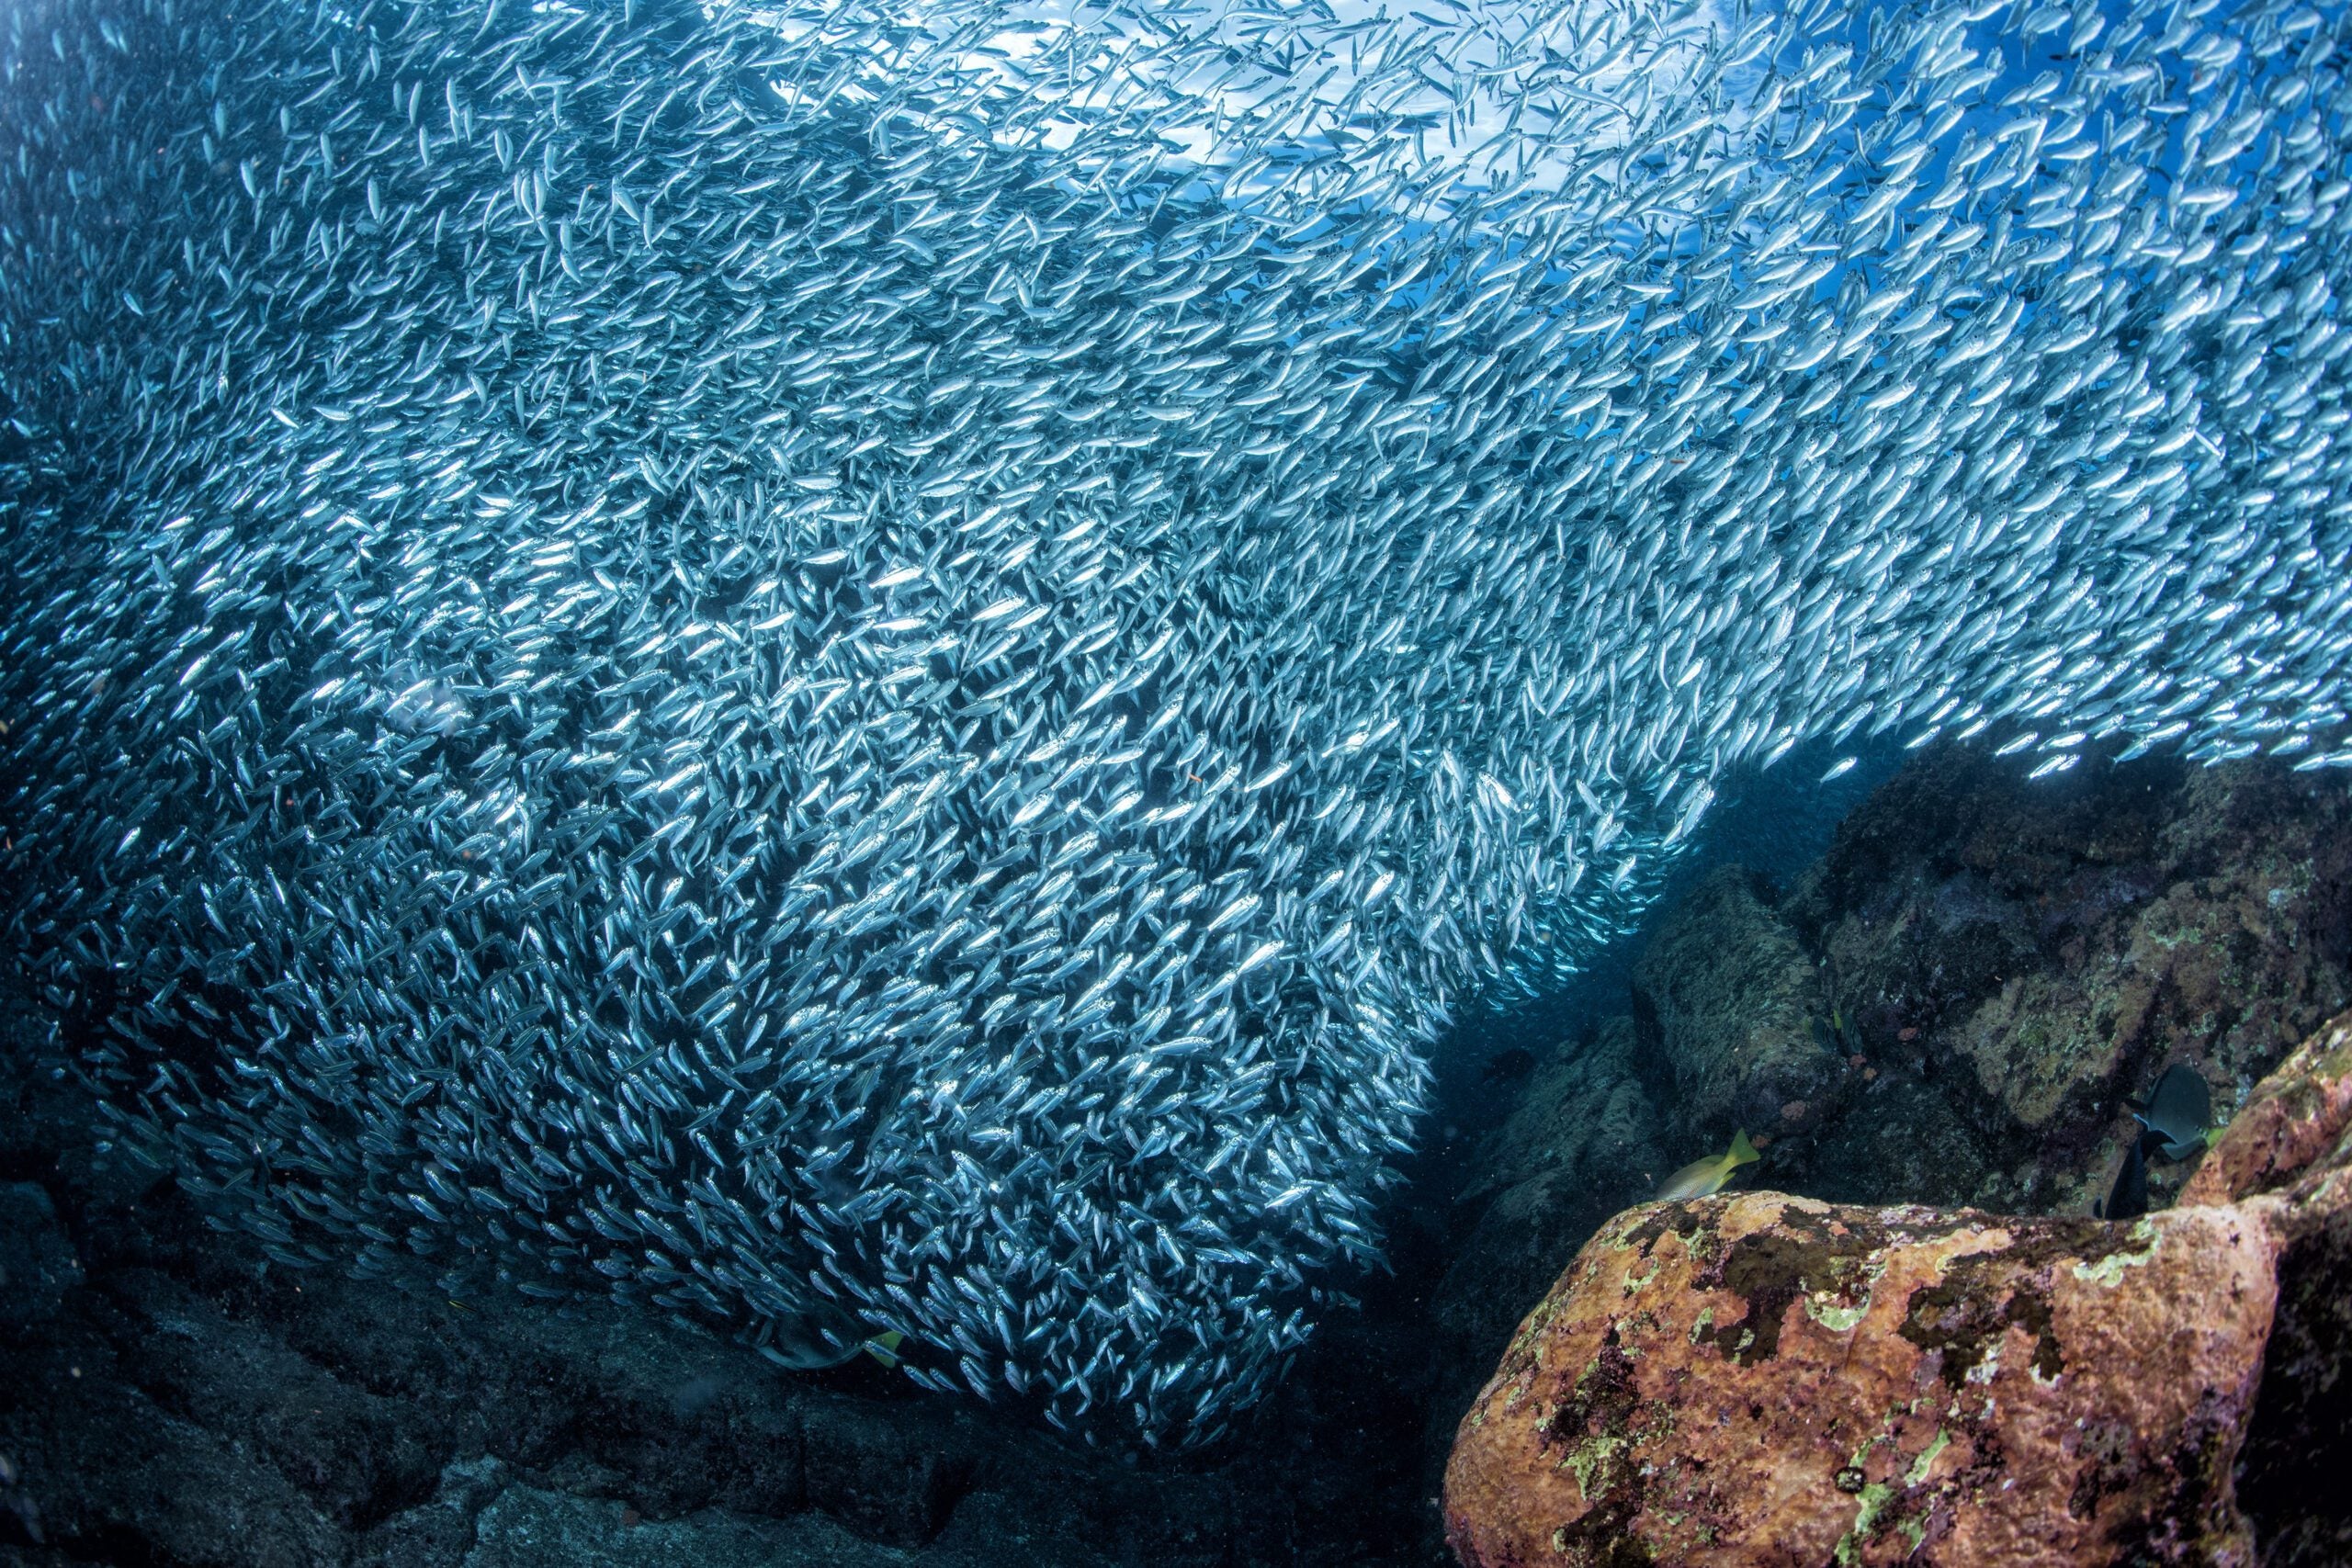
{"x": 1727, "y": 996}
{"x": 2040, "y": 949}
{"x": 2288, "y": 1131}
{"x": 1762, "y": 1379}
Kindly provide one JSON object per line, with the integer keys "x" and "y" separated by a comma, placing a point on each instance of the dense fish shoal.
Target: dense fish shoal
{"x": 812, "y": 667}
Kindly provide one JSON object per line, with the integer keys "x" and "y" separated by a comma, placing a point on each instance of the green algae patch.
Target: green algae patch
{"x": 1919, "y": 1467}
{"x": 1681, "y": 1220}
{"x": 1820, "y": 1307}
{"x": 1591, "y": 1459}
{"x": 1871, "y": 1507}
{"x": 2108, "y": 1271}
{"x": 1872, "y": 1503}
{"x": 1981, "y": 1295}
{"x": 1606, "y": 1545}
{"x": 1602, "y": 1401}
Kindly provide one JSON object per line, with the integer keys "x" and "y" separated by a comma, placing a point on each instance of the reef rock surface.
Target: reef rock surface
{"x": 1764, "y": 1379}
{"x": 1876, "y": 1024}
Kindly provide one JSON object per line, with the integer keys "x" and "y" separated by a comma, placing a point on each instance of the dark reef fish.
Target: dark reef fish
{"x": 2180, "y": 1112}
{"x": 2128, "y": 1199}
{"x": 854, "y": 669}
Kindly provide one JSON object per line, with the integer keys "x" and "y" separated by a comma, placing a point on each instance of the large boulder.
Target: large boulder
{"x": 1763, "y": 1379}
{"x": 1727, "y": 996}
{"x": 1949, "y": 1008}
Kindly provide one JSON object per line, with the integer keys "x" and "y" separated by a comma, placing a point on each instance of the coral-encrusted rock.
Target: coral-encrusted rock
{"x": 2287, "y": 1140}
{"x": 1763, "y": 1379}
{"x": 2291, "y": 1474}
{"x": 2282, "y": 1155}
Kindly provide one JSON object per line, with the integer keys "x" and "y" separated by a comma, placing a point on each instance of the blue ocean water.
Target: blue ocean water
{"x": 852, "y": 672}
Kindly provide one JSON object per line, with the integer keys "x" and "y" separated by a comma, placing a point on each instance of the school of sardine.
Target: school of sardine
{"x": 848, "y": 671}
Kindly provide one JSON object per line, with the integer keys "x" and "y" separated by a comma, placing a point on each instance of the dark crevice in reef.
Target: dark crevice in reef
{"x": 2291, "y": 1471}
{"x": 1949, "y": 1006}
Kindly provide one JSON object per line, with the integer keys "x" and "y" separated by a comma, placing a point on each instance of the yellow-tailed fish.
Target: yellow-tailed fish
{"x": 1703, "y": 1177}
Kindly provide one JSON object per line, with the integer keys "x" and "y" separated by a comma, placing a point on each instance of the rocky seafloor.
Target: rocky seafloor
{"x": 1949, "y": 1008}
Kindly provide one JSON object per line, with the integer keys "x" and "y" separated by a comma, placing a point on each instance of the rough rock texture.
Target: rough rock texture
{"x": 1969, "y": 933}
{"x": 1585, "y": 1144}
{"x": 1762, "y": 1379}
{"x": 2278, "y": 1153}
{"x": 1728, "y": 996}
{"x": 1950, "y": 1005}
{"x": 2291, "y": 1480}
{"x": 2287, "y": 1139}
{"x": 2032, "y": 952}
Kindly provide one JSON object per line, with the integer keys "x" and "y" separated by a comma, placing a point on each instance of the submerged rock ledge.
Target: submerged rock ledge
{"x": 1762, "y": 1379}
